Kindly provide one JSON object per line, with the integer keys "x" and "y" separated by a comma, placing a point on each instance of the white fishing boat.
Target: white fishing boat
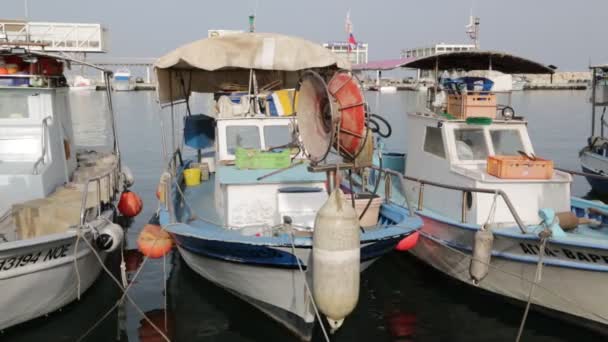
{"x": 496, "y": 216}
{"x": 56, "y": 202}
{"x": 123, "y": 80}
{"x": 594, "y": 156}
{"x": 82, "y": 83}
{"x": 256, "y": 219}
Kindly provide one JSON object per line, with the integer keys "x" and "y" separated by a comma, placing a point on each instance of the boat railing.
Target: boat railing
{"x": 463, "y": 189}
{"x": 44, "y": 137}
{"x": 175, "y": 160}
{"x": 583, "y": 174}
{"x": 112, "y": 187}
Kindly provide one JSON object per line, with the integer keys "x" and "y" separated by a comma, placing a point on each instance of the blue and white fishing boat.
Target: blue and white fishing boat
{"x": 123, "y": 80}
{"x": 500, "y": 229}
{"x": 56, "y": 200}
{"x": 253, "y": 230}
{"x": 594, "y": 156}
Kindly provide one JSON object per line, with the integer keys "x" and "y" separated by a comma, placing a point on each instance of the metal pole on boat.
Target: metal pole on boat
{"x": 421, "y": 196}
{"x": 593, "y": 81}
{"x": 464, "y": 207}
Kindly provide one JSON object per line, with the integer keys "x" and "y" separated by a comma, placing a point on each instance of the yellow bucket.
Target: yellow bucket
{"x": 192, "y": 176}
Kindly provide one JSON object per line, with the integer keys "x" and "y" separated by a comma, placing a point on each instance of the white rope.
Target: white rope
{"x": 490, "y": 265}
{"x": 308, "y": 291}
{"x": 123, "y": 296}
{"x": 78, "y": 286}
{"x": 492, "y": 212}
{"x": 537, "y": 279}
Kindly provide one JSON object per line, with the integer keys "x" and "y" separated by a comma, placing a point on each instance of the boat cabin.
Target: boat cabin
{"x": 456, "y": 152}
{"x": 36, "y": 142}
{"x": 295, "y": 192}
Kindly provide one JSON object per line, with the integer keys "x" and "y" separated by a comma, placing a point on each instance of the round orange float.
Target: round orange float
{"x": 154, "y": 242}
{"x": 130, "y": 205}
{"x": 408, "y": 243}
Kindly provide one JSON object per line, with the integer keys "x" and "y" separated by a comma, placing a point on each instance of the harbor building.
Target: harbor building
{"x": 357, "y": 53}
{"x": 55, "y": 37}
{"x": 435, "y": 49}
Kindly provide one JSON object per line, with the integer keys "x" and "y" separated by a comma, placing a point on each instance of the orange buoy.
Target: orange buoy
{"x": 408, "y": 242}
{"x": 154, "y": 242}
{"x": 130, "y": 204}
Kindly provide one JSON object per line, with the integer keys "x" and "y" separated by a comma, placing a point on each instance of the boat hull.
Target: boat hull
{"x": 274, "y": 283}
{"x": 39, "y": 276}
{"x": 595, "y": 164}
{"x": 572, "y": 279}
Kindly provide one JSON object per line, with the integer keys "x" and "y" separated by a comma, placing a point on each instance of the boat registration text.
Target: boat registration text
{"x": 34, "y": 257}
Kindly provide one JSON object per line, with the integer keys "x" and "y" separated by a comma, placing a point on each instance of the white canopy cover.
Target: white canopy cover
{"x": 213, "y": 64}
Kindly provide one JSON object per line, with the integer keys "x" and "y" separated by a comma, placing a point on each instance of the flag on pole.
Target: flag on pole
{"x": 348, "y": 27}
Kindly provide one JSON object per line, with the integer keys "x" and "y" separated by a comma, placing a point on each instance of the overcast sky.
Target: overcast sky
{"x": 566, "y": 33}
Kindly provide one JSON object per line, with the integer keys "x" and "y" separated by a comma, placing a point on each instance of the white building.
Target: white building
{"x": 55, "y": 37}
{"x": 356, "y": 55}
{"x": 436, "y": 49}
{"x": 217, "y": 33}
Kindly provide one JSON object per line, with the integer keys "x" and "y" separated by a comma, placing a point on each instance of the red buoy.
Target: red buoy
{"x": 154, "y": 242}
{"x": 130, "y": 205}
{"x": 408, "y": 242}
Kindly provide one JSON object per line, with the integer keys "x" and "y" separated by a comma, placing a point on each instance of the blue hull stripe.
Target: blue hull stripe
{"x": 521, "y": 258}
{"x": 257, "y": 255}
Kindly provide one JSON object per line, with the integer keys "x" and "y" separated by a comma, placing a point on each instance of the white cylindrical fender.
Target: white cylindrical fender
{"x": 336, "y": 255}
{"x": 127, "y": 176}
{"x": 110, "y": 237}
{"x": 482, "y": 254}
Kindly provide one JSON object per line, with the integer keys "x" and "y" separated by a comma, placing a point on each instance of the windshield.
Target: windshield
{"x": 242, "y": 136}
{"x": 506, "y": 141}
{"x": 471, "y": 144}
{"x": 14, "y": 105}
{"x": 277, "y": 136}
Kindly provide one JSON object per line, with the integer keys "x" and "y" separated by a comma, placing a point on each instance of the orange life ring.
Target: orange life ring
{"x": 351, "y": 105}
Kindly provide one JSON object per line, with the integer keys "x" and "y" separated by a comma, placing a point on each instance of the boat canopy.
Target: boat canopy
{"x": 480, "y": 60}
{"x": 218, "y": 63}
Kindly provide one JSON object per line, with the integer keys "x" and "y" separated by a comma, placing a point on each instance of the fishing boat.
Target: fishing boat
{"x": 123, "y": 80}
{"x": 82, "y": 83}
{"x": 57, "y": 202}
{"x": 252, "y": 211}
{"x": 495, "y": 215}
{"x": 594, "y": 156}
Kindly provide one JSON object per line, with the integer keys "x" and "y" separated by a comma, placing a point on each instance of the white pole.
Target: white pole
{"x": 25, "y": 10}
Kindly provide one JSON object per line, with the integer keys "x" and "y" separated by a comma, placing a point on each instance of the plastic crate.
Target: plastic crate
{"x": 256, "y": 159}
{"x": 518, "y": 167}
{"x": 472, "y": 104}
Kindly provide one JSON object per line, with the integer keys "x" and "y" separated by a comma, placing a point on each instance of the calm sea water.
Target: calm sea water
{"x": 401, "y": 299}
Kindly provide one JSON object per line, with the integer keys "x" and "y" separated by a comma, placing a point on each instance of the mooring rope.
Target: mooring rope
{"x": 308, "y": 291}
{"x": 123, "y": 296}
{"x": 537, "y": 278}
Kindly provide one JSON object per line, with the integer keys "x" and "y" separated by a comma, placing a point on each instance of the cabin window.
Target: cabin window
{"x": 506, "y": 141}
{"x": 14, "y": 105}
{"x": 433, "y": 142}
{"x": 276, "y": 136}
{"x": 242, "y": 136}
{"x": 471, "y": 144}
